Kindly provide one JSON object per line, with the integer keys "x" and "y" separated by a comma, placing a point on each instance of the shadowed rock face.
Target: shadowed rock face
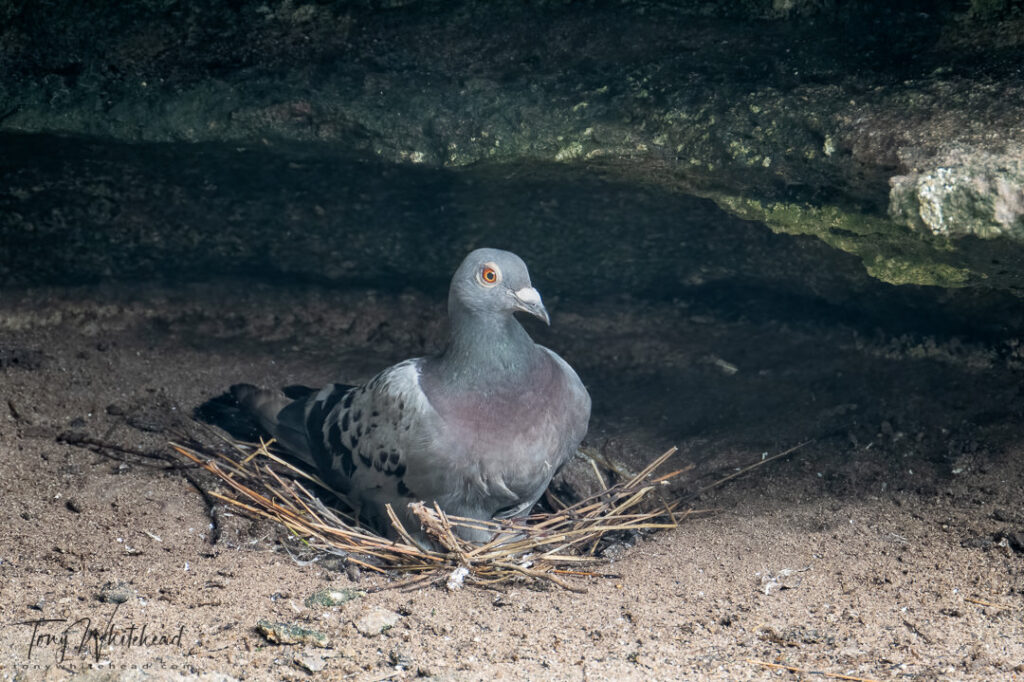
{"x": 85, "y": 210}
{"x": 894, "y": 135}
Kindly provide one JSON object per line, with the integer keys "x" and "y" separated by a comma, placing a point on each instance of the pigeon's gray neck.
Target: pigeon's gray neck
{"x": 486, "y": 346}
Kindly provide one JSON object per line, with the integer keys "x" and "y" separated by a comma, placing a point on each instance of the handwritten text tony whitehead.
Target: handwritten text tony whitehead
{"x": 64, "y": 636}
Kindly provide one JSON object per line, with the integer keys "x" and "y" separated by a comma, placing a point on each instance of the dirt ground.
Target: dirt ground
{"x": 890, "y": 547}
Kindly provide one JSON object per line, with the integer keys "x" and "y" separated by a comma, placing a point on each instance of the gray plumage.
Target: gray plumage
{"x": 480, "y": 428}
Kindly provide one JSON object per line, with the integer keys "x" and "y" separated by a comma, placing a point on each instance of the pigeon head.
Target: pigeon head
{"x": 494, "y": 282}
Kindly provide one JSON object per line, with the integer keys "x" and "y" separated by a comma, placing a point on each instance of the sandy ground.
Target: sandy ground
{"x": 891, "y": 547}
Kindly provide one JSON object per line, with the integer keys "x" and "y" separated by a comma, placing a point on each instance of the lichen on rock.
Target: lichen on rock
{"x": 971, "y": 193}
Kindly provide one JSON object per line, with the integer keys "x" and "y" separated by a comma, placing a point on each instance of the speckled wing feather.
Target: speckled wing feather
{"x": 358, "y": 438}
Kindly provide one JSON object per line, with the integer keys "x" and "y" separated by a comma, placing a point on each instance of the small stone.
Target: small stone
{"x": 977, "y": 542}
{"x": 333, "y": 597}
{"x": 310, "y": 662}
{"x": 284, "y": 633}
{"x": 115, "y": 593}
{"x": 400, "y": 658}
{"x": 73, "y": 505}
{"x": 376, "y": 621}
{"x": 1005, "y": 516}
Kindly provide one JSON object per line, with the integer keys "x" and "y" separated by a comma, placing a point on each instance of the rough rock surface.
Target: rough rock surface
{"x": 891, "y": 133}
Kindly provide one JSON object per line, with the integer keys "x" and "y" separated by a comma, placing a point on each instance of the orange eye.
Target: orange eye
{"x": 489, "y": 275}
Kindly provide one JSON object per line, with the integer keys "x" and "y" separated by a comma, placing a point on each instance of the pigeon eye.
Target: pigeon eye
{"x": 489, "y": 275}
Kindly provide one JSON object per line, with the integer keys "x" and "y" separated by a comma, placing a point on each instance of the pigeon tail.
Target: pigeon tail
{"x": 279, "y": 415}
{"x": 225, "y": 413}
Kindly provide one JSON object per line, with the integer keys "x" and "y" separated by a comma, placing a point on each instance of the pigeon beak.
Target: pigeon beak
{"x": 528, "y": 300}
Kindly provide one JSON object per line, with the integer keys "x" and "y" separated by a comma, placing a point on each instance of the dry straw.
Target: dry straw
{"x": 547, "y": 547}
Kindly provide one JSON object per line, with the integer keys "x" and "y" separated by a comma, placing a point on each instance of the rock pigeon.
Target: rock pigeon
{"x": 479, "y": 428}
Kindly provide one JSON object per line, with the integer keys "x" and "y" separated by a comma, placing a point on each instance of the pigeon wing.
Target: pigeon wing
{"x": 368, "y": 441}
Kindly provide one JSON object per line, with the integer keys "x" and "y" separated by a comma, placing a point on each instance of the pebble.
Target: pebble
{"x": 375, "y": 621}
{"x": 285, "y": 633}
{"x": 115, "y": 593}
{"x": 333, "y": 597}
{"x": 310, "y": 662}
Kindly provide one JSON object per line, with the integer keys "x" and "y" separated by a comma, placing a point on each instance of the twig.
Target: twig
{"x": 108, "y": 449}
{"x": 746, "y": 469}
{"x": 211, "y": 507}
{"x": 836, "y": 676}
{"x": 985, "y": 603}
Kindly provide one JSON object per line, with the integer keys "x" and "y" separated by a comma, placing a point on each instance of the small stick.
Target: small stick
{"x": 600, "y": 478}
{"x": 365, "y": 564}
{"x": 261, "y": 450}
{"x": 649, "y": 469}
{"x": 398, "y": 526}
{"x": 555, "y": 503}
{"x": 538, "y": 574}
{"x": 107, "y": 449}
{"x": 984, "y": 603}
{"x": 750, "y": 468}
{"x": 450, "y": 539}
{"x": 836, "y": 676}
{"x": 288, "y": 489}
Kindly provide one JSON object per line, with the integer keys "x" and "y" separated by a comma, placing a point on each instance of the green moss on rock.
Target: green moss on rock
{"x": 889, "y": 251}
{"x": 288, "y": 633}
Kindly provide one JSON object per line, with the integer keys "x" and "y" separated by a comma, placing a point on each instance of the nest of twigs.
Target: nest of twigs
{"x": 547, "y": 547}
